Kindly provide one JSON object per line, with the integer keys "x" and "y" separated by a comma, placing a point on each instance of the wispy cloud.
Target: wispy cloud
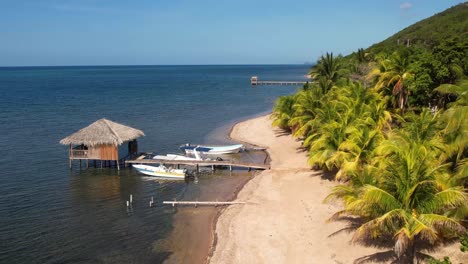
{"x": 406, "y": 5}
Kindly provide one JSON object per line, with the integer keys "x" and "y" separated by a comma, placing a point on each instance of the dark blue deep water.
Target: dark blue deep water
{"x": 49, "y": 214}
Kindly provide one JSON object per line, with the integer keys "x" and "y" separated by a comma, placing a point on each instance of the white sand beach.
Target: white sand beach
{"x": 285, "y": 220}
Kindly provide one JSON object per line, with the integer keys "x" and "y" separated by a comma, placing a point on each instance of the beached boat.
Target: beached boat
{"x": 211, "y": 150}
{"x": 161, "y": 171}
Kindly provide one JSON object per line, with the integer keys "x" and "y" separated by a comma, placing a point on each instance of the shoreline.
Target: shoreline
{"x": 284, "y": 220}
{"x": 213, "y": 234}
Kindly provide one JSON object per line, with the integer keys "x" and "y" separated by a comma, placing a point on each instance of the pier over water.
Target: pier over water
{"x": 255, "y": 81}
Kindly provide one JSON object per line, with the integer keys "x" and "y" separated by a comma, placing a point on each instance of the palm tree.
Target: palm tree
{"x": 329, "y": 70}
{"x": 364, "y": 132}
{"x": 409, "y": 197}
{"x": 455, "y": 123}
{"x": 392, "y": 72}
{"x": 305, "y": 106}
{"x": 283, "y": 111}
{"x": 357, "y": 150}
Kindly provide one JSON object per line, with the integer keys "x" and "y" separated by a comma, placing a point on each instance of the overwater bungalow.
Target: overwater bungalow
{"x": 100, "y": 141}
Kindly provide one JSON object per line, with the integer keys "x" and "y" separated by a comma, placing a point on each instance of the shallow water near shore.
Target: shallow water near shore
{"x": 49, "y": 214}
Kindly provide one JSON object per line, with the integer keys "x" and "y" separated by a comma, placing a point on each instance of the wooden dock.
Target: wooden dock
{"x": 201, "y": 163}
{"x": 279, "y": 83}
{"x": 255, "y": 81}
{"x": 197, "y": 203}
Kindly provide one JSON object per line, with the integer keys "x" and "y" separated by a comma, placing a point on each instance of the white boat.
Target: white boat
{"x": 211, "y": 150}
{"x": 161, "y": 171}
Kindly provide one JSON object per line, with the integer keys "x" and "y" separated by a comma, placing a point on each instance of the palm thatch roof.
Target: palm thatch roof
{"x": 102, "y": 132}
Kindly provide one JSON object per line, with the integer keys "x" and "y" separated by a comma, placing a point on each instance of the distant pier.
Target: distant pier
{"x": 255, "y": 81}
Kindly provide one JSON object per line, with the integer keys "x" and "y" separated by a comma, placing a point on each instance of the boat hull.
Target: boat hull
{"x": 212, "y": 150}
{"x": 161, "y": 171}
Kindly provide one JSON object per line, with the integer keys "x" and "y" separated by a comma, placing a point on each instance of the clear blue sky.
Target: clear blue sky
{"x": 126, "y": 32}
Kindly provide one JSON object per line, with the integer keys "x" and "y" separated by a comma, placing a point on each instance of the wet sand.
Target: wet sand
{"x": 191, "y": 239}
{"x": 192, "y": 236}
{"x": 284, "y": 220}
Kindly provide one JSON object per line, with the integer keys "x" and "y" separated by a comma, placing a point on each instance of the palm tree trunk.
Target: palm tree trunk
{"x": 410, "y": 254}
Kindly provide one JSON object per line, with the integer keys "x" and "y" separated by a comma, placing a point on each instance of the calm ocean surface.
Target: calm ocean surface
{"x": 49, "y": 214}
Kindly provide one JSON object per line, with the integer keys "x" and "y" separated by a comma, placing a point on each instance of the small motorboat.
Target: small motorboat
{"x": 161, "y": 171}
{"x": 211, "y": 150}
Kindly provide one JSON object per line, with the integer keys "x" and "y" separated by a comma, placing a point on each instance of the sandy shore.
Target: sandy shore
{"x": 285, "y": 220}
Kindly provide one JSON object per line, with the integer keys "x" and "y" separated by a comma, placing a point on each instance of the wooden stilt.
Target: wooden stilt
{"x": 70, "y": 156}
{"x": 118, "y": 166}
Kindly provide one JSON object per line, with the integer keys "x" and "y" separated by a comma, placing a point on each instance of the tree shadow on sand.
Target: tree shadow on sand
{"x": 385, "y": 243}
{"x": 326, "y": 174}
{"x": 281, "y": 132}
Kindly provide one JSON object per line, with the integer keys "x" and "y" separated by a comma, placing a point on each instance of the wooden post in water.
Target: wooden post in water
{"x": 70, "y": 157}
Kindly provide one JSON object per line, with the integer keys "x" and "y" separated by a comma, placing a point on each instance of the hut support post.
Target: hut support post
{"x": 70, "y": 157}
{"x": 118, "y": 166}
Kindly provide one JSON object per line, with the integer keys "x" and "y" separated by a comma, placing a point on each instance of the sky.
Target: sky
{"x": 187, "y": 32}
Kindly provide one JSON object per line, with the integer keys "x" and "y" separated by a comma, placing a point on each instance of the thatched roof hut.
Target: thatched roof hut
{"x": 100, "y": 141}
{"x": 103, "y": 132}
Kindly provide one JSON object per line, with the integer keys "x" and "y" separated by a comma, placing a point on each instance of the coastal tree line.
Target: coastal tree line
{"x": 393, "y": 125}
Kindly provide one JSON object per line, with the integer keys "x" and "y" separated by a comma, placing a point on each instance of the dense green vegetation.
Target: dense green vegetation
{"x": 429, "y": 32}
{"x": 394, "y": 127}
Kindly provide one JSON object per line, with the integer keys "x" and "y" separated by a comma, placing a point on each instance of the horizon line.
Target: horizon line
{"x": 146, "y": 65}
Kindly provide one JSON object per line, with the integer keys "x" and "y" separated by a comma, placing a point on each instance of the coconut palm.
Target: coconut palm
{"x": 364, "y": 131}
{"x": 357, "y": 149}
{"x": 328, "y": 134}
{"x": 305, "y": 106}
{"x": 409, "y": 198}
{"x": 329, "y": 70}
{"x": 347, "y": 128}
{"x": 283, "y": 111}
{"x": 391, "y": 72}
{"x": 455, "y": 123}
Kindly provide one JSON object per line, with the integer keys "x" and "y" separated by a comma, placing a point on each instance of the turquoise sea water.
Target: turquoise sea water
{"x": 49, "y": 214}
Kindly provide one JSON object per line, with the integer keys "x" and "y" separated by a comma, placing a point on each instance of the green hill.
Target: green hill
{"x": 451, "y": 23}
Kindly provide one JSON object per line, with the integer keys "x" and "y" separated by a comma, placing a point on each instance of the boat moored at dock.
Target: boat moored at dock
{"x": 161, "y": 171}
